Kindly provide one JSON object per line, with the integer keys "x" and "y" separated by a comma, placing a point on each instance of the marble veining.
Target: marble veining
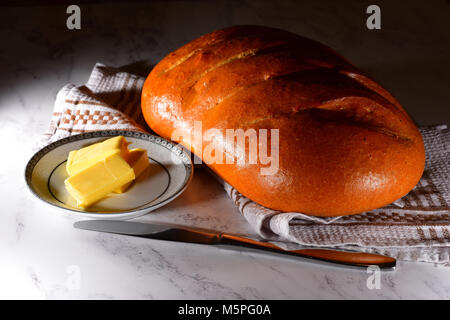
{"x": 44, "y": 257}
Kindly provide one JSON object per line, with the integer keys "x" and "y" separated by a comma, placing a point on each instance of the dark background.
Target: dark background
{"x": 38, "y": 55}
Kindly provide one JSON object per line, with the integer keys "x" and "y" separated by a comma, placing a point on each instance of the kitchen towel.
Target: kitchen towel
{"x": 414, "y": 228}
{"x": 110, "y": 100}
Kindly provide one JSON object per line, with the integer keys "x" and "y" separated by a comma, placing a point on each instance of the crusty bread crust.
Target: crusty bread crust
{"x": 345, "y": 144}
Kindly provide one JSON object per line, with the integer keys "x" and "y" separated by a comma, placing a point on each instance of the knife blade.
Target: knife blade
{"x": 198, "y": 236}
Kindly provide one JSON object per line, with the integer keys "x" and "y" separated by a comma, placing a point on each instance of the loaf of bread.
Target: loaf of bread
{"x": 345, "y": 145}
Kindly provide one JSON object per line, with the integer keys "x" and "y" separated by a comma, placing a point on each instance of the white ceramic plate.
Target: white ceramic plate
{"x": 168, "y": 175}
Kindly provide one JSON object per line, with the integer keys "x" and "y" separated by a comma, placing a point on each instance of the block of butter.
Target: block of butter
{"x": 99, "y": 179}
{"x": 83, "y": 158}
{"x": 138, "y": 160}
{"x": 102, "y": 168}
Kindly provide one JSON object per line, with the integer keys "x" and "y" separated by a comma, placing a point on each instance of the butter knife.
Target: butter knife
{"x": 190, "y": 235}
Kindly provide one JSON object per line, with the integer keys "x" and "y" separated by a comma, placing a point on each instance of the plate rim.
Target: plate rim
{"x": 171, "y": 146}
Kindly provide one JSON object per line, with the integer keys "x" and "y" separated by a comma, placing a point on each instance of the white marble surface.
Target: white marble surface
{"x": 42, "y": 255}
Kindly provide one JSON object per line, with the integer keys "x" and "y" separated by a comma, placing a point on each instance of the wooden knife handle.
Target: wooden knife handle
{"x": 359, "y": 259}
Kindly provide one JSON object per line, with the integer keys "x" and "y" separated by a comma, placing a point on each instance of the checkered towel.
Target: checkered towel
{"x": 110, "y": 100}
{"x": 414, "y": 228}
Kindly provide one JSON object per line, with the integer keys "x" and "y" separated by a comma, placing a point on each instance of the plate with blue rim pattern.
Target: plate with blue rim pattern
{"x": 168, "y": 175}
